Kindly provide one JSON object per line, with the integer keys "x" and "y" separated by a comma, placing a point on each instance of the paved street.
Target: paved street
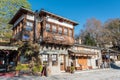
{"x": 104, "y": 74}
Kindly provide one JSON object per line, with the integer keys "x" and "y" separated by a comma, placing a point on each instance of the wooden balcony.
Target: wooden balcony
{"x": 57, "y": 39}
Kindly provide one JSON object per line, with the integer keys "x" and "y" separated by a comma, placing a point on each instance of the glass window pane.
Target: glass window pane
{"x": 54, "y": 57}
{"x": 48, "y": 27}
{"x": 65, "y": 31}
{"x": 60, "y": 30}
{"x": 29, "y": 23}
{"x": 28, "y": 28}
{"x": 70, "y": 32}
{"x": 26, "y": 36}
{"x": 54, "y": 60}
{"x": 54, "y": 29}
{"x": 45, "y": 57}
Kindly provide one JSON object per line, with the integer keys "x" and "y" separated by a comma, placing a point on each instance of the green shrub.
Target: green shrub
{"x": 18, "y": 67}
{"x": 72, "y": 68}
{"x": 22, "y": 67}
{"x": 40, "y": 67}
{"x": 37, "y": 68}
{"x": 25, "y": 67}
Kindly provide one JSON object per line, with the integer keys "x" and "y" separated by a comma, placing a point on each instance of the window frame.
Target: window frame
{"x": 48, "y": 28}
{"x": 54, "y": 60}
{"x": 54, "y": 29}
{"x": 65, "y": 31}
{"x": 26, "y": 36}
{"x": 60, "y": 31}
{"x": 29, "y": 26}
{"x": 45, "y": 59}
{"x": 29, "y": 23}
{"x": 71, "y": 33}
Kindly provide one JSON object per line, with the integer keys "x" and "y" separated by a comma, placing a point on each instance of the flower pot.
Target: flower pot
{"x": 72, "y": 72}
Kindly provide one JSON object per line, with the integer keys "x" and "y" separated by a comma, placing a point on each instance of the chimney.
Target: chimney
{"x": 79, "y": 40}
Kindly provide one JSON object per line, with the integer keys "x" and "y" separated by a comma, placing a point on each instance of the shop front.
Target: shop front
{"x": 8, "y": 58}
{"x": 82, "y": 60}
{"x": 55, "y": 61}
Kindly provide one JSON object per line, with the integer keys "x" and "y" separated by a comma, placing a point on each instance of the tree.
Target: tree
{"x": 108, "y": 33}
{"x": 29, "y": 50}
{"x": 93, "y": 29}
{"x": 88, "y": 40}
{"x": 7, "y": 9}
{"x": 113, "y": 27}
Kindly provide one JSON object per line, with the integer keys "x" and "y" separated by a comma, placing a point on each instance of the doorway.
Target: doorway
{"x": 62, "y": 62}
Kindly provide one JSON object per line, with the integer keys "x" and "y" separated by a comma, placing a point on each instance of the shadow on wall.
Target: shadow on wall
{"x": 114, "y": 66}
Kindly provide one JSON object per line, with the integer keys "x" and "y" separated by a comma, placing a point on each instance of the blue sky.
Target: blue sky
{"x": 80, "y": 10}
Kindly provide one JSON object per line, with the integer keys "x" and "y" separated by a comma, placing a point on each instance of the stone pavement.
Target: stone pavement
{"x": 102, "y": 74}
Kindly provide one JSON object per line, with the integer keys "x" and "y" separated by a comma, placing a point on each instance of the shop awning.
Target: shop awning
{"x": 8, "y": 48}
{"x": 82, "y": 52}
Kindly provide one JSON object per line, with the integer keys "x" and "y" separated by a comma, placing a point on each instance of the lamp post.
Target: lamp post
{"x": 108, "y": 53}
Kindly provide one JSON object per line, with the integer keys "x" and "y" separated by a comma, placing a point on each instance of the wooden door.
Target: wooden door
{"x": 83, "y": 62}
{"x": 62, "y": 62}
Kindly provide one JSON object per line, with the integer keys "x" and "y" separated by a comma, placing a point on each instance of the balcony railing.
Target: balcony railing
{"x": 57, "y": 39}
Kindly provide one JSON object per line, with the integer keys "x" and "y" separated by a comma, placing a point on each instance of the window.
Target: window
{"x": 45, "y": 59}
{"x": 26, "y": 37}
{"x": 30, "y": 17}
{"x": 48, "y": 27}
{"x": 70, "y": 33}
{"x": 65, "y": 31}
{"x": 29, "y": 26}
{"x": 54, "y": 59}
{"x": 96, "y": 62}
{"x": 2, "y": 60}
{"x": 54, "y": 29}
{"x": 61, "y": 58}
{"x": 60, "y": 30}
{"x": 29, "y": 23}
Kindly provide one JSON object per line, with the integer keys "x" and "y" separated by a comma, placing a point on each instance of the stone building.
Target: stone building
{"x": 85, "y": 57}
{"x": 54, "y": 34}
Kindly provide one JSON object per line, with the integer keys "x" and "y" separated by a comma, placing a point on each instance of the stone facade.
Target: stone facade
{"x": 54, "y": 34}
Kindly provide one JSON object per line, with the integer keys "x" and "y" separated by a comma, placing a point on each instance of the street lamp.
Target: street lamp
{"x": 108, "y": 56}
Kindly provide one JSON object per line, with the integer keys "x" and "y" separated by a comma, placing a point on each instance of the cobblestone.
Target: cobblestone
{"x": 102, "y": 74}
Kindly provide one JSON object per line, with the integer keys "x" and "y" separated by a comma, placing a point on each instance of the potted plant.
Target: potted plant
{"x": 72, "y": 69}
{"x": 37, "y": 69}
{"x": 18, "y": 68}
{"x": 25, "y": 69}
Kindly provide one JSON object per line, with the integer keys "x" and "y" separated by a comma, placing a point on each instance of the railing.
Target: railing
{"x": 58, "y": 39}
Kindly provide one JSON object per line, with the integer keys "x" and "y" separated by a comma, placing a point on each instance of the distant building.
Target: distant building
{"x": 85, "y": 57}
